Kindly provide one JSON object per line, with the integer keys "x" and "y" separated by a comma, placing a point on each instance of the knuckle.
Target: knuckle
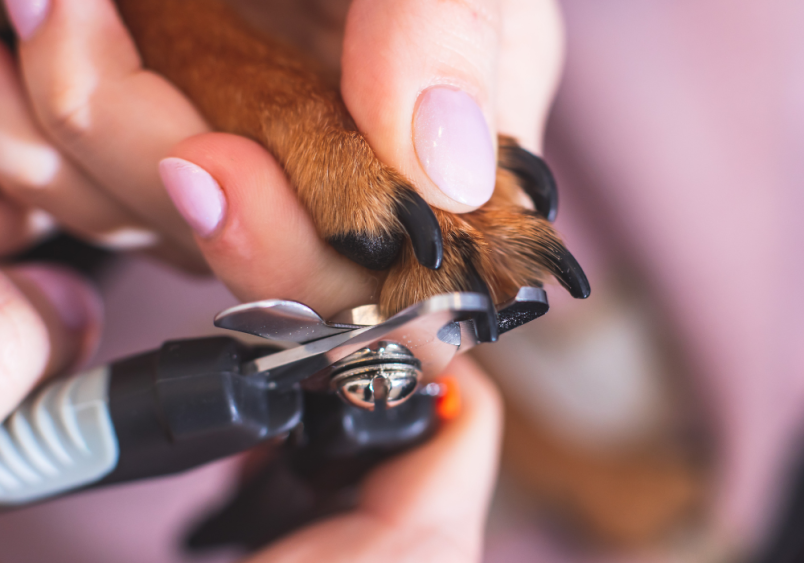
{"x": 65, "y": 107}
{"x": 66, "y": 118}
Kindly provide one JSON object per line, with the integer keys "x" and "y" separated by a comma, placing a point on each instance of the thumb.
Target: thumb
{"x": 418, "y": 79}
{"x": 428, "y": 504}
{"x": 49, "y": 321}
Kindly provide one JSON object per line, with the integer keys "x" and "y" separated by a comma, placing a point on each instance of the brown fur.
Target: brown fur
{"x": 248, "y": 84}
{"x": 509, "y": 246}
{"x": 244, "y": 83}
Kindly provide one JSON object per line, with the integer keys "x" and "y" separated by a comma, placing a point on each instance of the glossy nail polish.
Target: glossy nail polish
{"x": 27, "y": 15}
{"x": 195, "y": 193}
{"x": 454, "y": 146}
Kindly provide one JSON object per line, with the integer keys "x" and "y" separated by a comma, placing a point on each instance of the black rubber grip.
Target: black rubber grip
{"x": 188, "y": 404}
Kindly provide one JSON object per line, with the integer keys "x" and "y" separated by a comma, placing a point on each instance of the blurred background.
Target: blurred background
{"x": 658, "y": 421}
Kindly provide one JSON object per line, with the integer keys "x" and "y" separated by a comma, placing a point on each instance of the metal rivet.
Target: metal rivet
{"x": 384, "y": 376}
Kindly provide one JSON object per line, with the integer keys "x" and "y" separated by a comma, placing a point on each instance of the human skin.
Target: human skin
{"x": 81, "y": 78}
{"x": 424, "y": 504}
{"x": 77, "y": 64}
{"x": 614, "y": 133}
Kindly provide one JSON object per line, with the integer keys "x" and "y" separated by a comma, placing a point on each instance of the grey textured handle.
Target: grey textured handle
{"x": 60, "y": 439}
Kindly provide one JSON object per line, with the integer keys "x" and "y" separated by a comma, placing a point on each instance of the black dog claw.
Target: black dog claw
{"x": 423, "y": 229}
{"x": 570, "y": 274}
{"x": 535, "y": 178}
{"x": 486, "y": 325}
{"x": 379, "y": 252}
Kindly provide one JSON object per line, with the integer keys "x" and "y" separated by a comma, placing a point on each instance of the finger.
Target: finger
{"x": 419, "y": 80}
{"x": 35, "y": 174}
{"x": 252, "y": 229}
{"x": 447, "y": 483}
{"x": 91, "y": 95}
{"x": 530, "y": 62}
{"x": 50, "y": 321}
{"x": 427, "y": 505}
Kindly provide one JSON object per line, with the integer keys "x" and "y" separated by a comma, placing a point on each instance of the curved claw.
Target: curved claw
{"x": 569, "y": 273}
{"x": 423, "y": 229}
{"x": 486, "y": 324}
{"x": 536, "y": 178}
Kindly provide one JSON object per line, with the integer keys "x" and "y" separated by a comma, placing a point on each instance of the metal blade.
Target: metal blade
{"x": 416, "y": 328}
{"x": 276, "y": 319}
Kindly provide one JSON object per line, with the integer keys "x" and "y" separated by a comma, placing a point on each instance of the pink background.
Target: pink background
{"x": 677, "y": 140}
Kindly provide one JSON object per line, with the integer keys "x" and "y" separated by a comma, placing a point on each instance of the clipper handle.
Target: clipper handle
{"x": 59, "y": 439}
{"x": 157, "y": 413}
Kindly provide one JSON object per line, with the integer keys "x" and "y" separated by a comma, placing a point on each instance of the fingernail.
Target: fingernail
{"x": 454, "y": 146}
{"x": 195, "y": 193}
{"x": 74, "y": 300}
{"x": 27, "y": 15}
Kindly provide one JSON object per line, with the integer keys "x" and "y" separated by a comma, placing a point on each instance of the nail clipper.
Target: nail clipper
{"x": 194, "y": 401}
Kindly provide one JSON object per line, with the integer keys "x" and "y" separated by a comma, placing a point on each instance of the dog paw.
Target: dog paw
{"x": 368, "y": 212}
{"x": 247, "y": 84}
{"x": 497, "y": 248}
{"x": 363, "y": 208}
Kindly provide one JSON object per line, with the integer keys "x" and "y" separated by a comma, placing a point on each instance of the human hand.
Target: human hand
{"x": 429, "y": 504}
{"x": 262, "y": 244}
{"x": 93, "y": 177}
{"x": 50, "y": 318}
{"x": 81, "y": 84}
{"x": 506, "y": 55}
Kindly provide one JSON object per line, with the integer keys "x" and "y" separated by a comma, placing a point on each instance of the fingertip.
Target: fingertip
{"x": 261, "y": 207}
{"x": 76, "y": 303}
{"x": 267, "y": 245}
{"x": 453, "y": 145}
{"x": 27, "y": 15}
{"x": 70, "y": 306}
{"x": 51, "y": 322}
{"x": 418, "y": 79}
{"x": 24, "y": 346}
{"x": 243, "y": 168}
{"x": 449, "y": 479}
{"x": 195, "y": 193}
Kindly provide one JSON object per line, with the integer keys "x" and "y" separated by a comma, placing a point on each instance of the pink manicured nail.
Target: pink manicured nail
{"x": 27, "y": 15}
{"x": 454, "y": 146}
{"x": 75, "y": 301}
{"x": 195, "y": 193}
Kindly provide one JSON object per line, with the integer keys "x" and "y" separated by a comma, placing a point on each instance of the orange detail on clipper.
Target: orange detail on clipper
{"x": 448, "y": 404}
